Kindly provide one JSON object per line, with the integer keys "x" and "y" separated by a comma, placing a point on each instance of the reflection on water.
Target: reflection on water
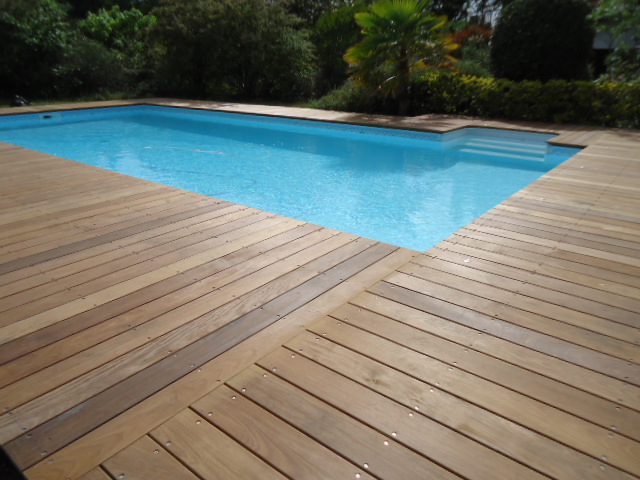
{"x": 403, "y": 190}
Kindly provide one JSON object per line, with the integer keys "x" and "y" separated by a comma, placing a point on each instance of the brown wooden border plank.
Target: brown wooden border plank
{"x": 146, "y": 460}
{"x": 390, "y": 372}
{"x": 333, "y": 428}
{"x": 521, "y": 335}
{"x": 271, "y": 439}
{"x": 190, "y": 439}
{"x": 106, "y": 440}
{"x": 95, "y": 325}
{"x": 442, "y": 445}
{"x": 608, "y": 320}
{"x": 545, "y": 378}
{"x": 26, "y": 450}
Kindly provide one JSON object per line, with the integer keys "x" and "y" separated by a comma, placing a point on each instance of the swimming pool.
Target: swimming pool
{"x": 411, "y": 189}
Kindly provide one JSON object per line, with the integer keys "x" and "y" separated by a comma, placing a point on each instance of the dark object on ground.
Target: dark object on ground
{"x": 19, "y": 101}
{"x": 8, "y": 470}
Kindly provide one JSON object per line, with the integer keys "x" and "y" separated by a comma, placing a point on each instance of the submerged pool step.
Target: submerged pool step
{"x": 521, "y": 150}
{"x": 505, "y": 154}
{"x": 506, "y": 146}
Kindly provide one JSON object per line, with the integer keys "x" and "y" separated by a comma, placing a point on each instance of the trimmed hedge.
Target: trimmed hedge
{"x": 560, "y": 101}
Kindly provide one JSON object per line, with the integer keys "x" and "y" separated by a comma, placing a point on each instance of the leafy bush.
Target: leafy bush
{"x": 352, "y": 98}
{"x": 123, "y": 35}
{"x": 620, "y": 18}
{"x": 333, "y": 34}
{"x": 232, "y": 48}
{"x": 543, "y": 40}
{"x": 33, "y": 42}
{"x": 473, "y": 55}
{"x": 89, "y": 68}
{"x": 561, "y": 101}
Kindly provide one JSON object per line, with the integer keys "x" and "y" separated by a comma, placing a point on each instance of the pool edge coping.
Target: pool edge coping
{"x": 432, "y": 123}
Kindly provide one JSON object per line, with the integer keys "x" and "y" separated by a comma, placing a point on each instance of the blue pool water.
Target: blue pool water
{"x": 411, "y": 189}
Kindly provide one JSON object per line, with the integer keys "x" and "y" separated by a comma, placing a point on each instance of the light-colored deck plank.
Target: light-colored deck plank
{"x": 543, "y": 377}
{"x": 145, "y": 460}
{"x": 129, "y": 311}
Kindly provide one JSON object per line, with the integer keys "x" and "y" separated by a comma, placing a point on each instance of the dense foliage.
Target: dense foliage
{"x": 232, "y": 48}
{"x": 334, "y": 32}
{"x": 597, "y": 103}
{"x": 621, "y": 19}
{"x": 33, "y": 39}
{"x": 400, "y": 38}
{"x": 543, "y": 40}
{"x": 292, "y": 50}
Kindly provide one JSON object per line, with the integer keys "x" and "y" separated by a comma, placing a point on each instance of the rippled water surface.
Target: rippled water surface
{"x": 401, "y": 188}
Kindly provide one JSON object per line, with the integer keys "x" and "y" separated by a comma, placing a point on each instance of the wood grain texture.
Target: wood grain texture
{"x": 151, "y": 332}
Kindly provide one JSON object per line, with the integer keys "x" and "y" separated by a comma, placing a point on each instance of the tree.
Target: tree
{"x": 125, "y": 36}
{"x": 308, "y": 10}
{"x": 34, "y": 36}
{"x": 452, "y": 9}
{"x": 333, "y": 34}
{"x": 543, "y": 40}
{"x": 621, "y": 19}
{"x": 233, "y": 48}
{"x": 401, "y": 37}
{"x": 80, "y": 8}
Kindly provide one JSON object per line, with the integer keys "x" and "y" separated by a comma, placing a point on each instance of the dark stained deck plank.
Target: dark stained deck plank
{"x": 178, "y": 320}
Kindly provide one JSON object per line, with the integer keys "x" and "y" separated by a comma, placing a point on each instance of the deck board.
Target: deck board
{"x": 150, "y": 332}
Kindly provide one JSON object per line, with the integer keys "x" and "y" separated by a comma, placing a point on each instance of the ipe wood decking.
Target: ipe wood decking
{"x": 148, "y": 333}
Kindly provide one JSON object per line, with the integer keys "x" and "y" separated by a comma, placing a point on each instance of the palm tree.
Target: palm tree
{"x": 400, "y": 38}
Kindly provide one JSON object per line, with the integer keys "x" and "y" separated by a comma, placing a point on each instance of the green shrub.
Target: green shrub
{"x": 561, "y": 101}
{"x": 543, "y": 40}
{"x": 352, "y": 98}
{"x": 333, "y": 34}
{"x": 34, "y": 39}
{"x": 247, "y": 49}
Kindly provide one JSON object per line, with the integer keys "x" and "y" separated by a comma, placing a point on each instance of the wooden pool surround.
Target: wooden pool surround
{"x": 148, "y": 332}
